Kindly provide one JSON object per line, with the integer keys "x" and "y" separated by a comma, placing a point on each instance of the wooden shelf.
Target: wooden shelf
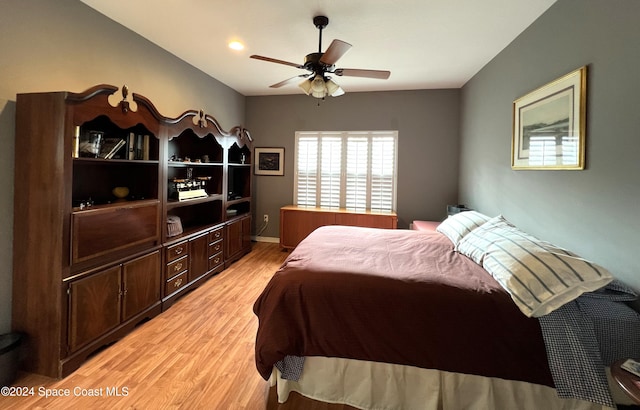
{"x": 115, "y": 161}
{"x": 182, "y": 164}
{"x": 174, "y": 203}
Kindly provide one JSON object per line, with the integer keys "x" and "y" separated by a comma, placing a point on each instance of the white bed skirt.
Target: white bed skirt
{"x": 397, "y": 387}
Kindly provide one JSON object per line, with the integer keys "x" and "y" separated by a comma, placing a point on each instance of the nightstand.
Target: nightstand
{"x": 630, "y": 383}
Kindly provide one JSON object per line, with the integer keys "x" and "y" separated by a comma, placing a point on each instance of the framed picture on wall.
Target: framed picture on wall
{"x": 269, "y": 161}
{"x": 549, "y": 125}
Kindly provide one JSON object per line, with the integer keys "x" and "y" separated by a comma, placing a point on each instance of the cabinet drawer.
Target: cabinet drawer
{"x": 215, "y": 248}
{"x": 175, "y": 283}
{"x": 215, "y": 260}
{"x": 216, "y": 235}
{"x": 101, "y": 231}
{"x": 176, "y": 251}
{"x": 177, "y": 266}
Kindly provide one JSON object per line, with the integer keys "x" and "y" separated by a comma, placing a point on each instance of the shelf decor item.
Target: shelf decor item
{"x": 270, "y": 161}
{"x": 91, "y": 145}
{"x": 549, "y": 125}
{"x": 120, "y": 192}
{"x": 174, "y": 226}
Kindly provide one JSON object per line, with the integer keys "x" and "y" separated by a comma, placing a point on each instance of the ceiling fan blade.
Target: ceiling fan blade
{"x": 334, "y": 52}
{"x": 288, "y": 80}
{"x": 275, "y": 60}
{"x": 355, "y": 72}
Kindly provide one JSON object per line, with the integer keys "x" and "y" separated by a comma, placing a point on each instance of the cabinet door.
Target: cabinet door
{"x": 233, "y": 238}
{"x": 142, "y": 282}
{"x": 101, "y": 231}
{"x": 246, "y": 233}
{"x": 295, "y": 225}
{"x": 199, "y": 255}
{"x": 94, "y": 306}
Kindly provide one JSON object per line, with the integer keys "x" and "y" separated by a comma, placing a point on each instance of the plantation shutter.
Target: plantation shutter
{"x": 357, "y": 172}
{"x": 306, "y": 170}
{"x": 330, "y": 170}
{"x": 353, "y": 170}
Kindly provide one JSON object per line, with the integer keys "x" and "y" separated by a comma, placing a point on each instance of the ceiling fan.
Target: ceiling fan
{"x": 321, "y": 65}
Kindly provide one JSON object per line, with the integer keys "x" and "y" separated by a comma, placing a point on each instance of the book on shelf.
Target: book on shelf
{"x": 138, "y": 146}
{"x": 131, "y": 146}
{"x": 110, "y": 147}
{"x": 145, "y": 147}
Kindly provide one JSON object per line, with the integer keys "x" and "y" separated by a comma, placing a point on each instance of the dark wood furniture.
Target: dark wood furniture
{"x": 630, "y": 383}
{"x": 298, "y": 222}
{"x": 90, "y": 265}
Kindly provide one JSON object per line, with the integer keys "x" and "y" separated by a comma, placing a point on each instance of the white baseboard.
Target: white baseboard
{"x": 265, "y": 239}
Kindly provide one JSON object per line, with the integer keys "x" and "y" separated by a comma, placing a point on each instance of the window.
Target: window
{"x": 350, "y": 169}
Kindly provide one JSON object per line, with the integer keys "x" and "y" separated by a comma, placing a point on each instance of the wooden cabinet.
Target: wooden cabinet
{"x": 94, "y": 306}
{"x": 177, "y": 269}
{"x": 91, "y": 206}
{"x": 238, "y": 234}
{"x": 122, "y": 226}
{"x": 103, "y": 300}
{"x": 298, "y": 222}
{"x": 208, "y": 186}
{"x": 199, "y": 253}
{"x": 189, "y": 262}
{"x": 141, "y": 280}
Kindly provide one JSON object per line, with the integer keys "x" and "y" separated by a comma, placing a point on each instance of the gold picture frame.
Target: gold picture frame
{"x": 549, "y": 125}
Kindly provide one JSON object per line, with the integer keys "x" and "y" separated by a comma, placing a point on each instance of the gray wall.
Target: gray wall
{"x": 64, "y": 45}
{"x": 592, "y": 212}
{"x": 427, "y": 122}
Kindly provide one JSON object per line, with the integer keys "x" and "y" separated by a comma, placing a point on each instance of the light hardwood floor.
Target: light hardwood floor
{"x": 197, "y": 354}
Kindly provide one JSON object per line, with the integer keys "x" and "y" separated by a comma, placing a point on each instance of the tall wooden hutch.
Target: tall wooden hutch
{"x": 118, "y": 211}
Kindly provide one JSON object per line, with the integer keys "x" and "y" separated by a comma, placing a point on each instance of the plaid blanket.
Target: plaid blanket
{"x": 587, "y": 334}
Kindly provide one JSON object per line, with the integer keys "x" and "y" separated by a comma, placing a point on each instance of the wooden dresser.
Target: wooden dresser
{"x": 298, "y": 222}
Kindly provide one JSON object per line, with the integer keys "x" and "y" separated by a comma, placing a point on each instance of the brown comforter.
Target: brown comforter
{"x": 395, "y": 296}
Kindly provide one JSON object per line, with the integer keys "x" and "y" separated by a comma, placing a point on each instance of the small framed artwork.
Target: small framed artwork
{"x": 549, "y": 125}
{"x": 269, "y": 161}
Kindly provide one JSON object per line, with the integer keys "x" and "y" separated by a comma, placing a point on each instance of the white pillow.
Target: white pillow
{"x": 539, "y": 276}
{"x": 475, "y": 244}
{"x": 458, "y": 225}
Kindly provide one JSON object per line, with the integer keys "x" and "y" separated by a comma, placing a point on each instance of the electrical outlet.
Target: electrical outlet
{"x": 265, "y": 218}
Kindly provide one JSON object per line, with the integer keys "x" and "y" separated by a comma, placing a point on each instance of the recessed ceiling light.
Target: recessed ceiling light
{"x": 236, "y": 45}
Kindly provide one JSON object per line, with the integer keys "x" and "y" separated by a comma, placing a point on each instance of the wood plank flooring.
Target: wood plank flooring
{"x": 199, "y": 354}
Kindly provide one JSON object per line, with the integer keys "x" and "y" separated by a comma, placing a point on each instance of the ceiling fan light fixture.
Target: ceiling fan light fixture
{"x": 318, "y": 87}
{"x": 333, "y": 89}
{"x": 306, "y": 86}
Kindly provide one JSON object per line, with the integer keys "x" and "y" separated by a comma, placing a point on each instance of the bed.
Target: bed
{"x": 400, "y": 319}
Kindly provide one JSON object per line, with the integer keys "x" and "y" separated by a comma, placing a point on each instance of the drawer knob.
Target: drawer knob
{"x": 177, "y": 266}
{"x": 178, "y": 251}
{"x": 177, "y": 283}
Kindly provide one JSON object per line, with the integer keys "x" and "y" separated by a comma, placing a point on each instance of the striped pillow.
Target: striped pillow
{"x": 539, "y": 276}
{"x": 458, "y": 225}
{"x": 475, "y": 244}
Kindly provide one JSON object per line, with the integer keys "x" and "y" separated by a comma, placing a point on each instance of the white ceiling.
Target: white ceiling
{"x": 425, "y": 44}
